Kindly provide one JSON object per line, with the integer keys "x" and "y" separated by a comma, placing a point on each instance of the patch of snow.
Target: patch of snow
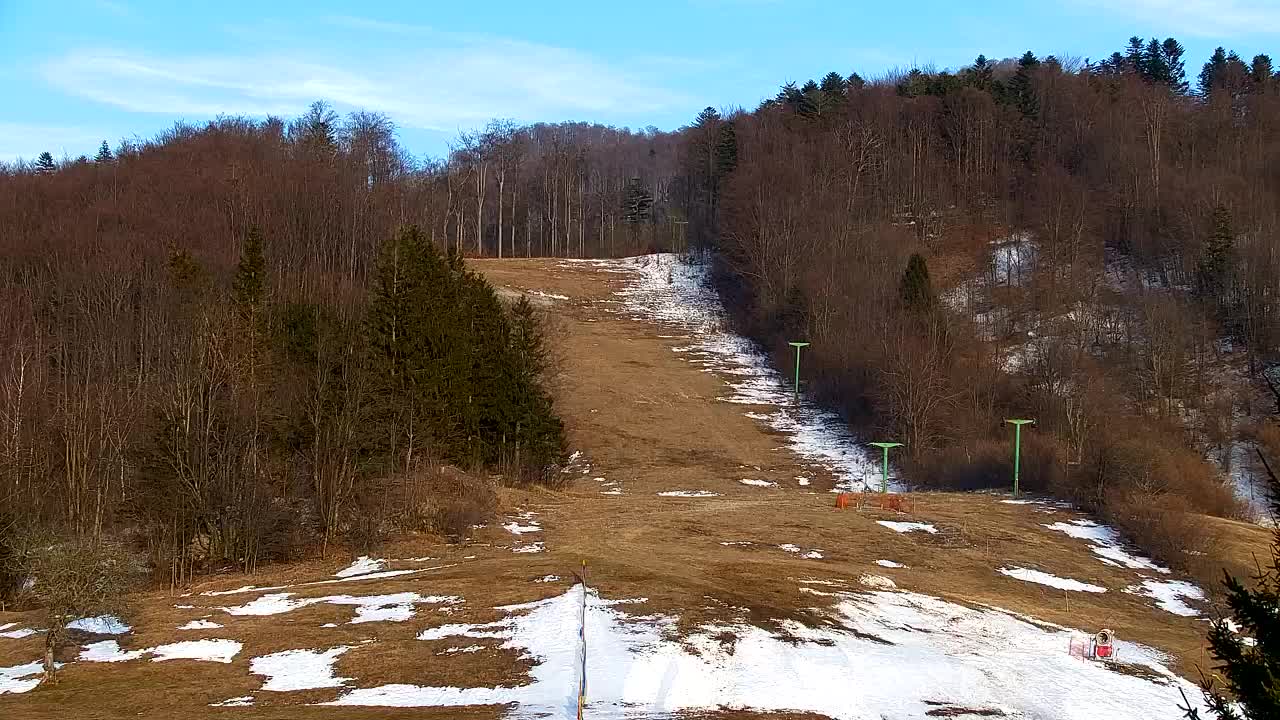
{"x": 906, "y": 527}
{"x": 219, "y": 651}
{"x": 803, "y": 480}
{"x": 16, "y": 634}
{"x": 790, "y": 548}
{"x": 1045, "y": 578}
{"x": 200, "y": 625}
{"x": 737, "y": 542}
{"x": 242, "y": 701}
{"x": 516, "y": 528}
{"x": 299, "y": 669}
{"x": 21, "y": 678}
{"x": 100, "y": 625}
{"x": 758, "y": 483}
{"x": 688, "y": 493}
{"x": 878, "y": 582}
{"x": 1107, "y": 544}
{"x": 679, "y": 294}
{"x": 1170, "y": 594}
{"x": 812, "y": 555}
{"x": 614, "y": 491}
{"x": 891, "y": 564}
{"x": 467, "y": 649}
{"x": 362, "y": 566}
{"x": 906, "y": 650}
{"x": 1018, "y": 502}
{"x": 371, "y": 608}
{"x": 551, "y": 296}
{"x": 536, "y": 547}
{"x": 547, "y": 579}
{"x": 1012, "y": 259}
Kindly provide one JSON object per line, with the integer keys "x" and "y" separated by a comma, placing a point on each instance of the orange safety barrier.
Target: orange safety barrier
{"x": 897, "y": 502}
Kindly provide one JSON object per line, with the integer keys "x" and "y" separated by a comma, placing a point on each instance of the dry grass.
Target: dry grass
{"x": 644, "y": 417}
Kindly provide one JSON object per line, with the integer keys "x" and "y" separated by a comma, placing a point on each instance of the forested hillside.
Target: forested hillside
{"x": 1101, "y": 252}
{"x": 238, "y": 341}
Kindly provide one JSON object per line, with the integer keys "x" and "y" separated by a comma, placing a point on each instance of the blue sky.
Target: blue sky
{"x": 76, "y": 72}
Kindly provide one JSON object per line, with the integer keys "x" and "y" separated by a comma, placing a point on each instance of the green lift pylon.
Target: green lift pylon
{"x": 797, "y": 346}
{"x": 884, "y": 478}
{"x": 1017, "y": 450}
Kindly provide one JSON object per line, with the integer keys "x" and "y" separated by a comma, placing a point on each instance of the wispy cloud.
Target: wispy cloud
{"x": 1203, "y": 18}
{"x": 457, "y": 81}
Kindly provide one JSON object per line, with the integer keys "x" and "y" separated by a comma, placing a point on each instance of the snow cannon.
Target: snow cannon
{"x": 1104, "y": 644}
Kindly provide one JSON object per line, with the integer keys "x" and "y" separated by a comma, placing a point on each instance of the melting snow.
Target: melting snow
{"x": 1045, "y": 578}
{"x": 906, "y": 527}
{"x": 689, "y": 493}
{"x": 362, "y": 566}
{"x": 530, "y": 548}
{"x": 907, "y": 651}
{"x": 758, "y": 483}
{"x": 200, "y": 625}
{"x": 1106, "y": 544}
{"x": 516, "y": 528}
{"x": 663, "y": 288}
{"x": 220, "y": 651}
{"x": 396, "y": 607}
{"x": 890, "y": 564}
{"x": 100, "y": 625}
{"x": 16, "y": 634}
{"x": 878, "y": 582}
{"x": 299, "y": 669}
{"x": 1169, "y": 595}
{"x": 547, "y": 579}
{"x": 21, "y": 678}
{"x": 242, "y": 701}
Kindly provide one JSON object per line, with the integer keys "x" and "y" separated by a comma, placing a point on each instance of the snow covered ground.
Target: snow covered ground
{"x": 661, "y": 288}
{"x": 885, "y": 654}
{"x": 1044, "y": 578}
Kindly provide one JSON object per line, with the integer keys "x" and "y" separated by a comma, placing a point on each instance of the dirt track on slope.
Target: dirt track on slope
{"x": 649, "y": 421}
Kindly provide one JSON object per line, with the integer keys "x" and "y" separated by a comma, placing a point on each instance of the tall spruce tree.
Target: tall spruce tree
{"x": 1260, "y": 69}
{"x": 1215, "y": 261}
{"x": 1155, "y": 66}
{"x": 1173, "y": 52}
{"x": 1135, "y": 56}
{"x": 916, "y": 289}
{"x": 45, "y": 164}
{"x": 1246, "y": 680}
{"x": 104, "y": 155}
{"x": 1212, "y": 72}
{"x": 1021, "y": 92}
{"x": 248, "y": 286}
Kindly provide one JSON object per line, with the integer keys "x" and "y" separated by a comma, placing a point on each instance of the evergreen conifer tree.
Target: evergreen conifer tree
{"x": 1213, "y": 266}
{"x": 104, "y": 154}
{"x": 1249, "y": 671}
{"x": 1173, "y": 51}
{"x": 1212, "y": 71}
{"x": 916, "y": 289}
{"x": 1021, "y": 92}
{"x": 1260, "y": 69}
{"x": 249, "y": 284}
{"x": 726, "y": 150}
{"x": 1155, "y": 67}
{"x": 1135, "y": 56}
{"x": 45, "y": 164}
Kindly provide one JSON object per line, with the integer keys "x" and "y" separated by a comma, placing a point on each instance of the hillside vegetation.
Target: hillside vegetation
{"x": 201, "y": 346}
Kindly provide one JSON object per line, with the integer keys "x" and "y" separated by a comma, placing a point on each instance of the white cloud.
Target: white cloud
{"x": 1204, "y": 18}
{"x": 441, "y": 81}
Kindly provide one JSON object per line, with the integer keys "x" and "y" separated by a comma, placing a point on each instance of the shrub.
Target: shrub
{"x": 1162, "y": 524}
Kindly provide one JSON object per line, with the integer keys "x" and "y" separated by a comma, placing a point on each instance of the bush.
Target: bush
{"x": 1162, "y": 524}
{"x": 457, "y": 501}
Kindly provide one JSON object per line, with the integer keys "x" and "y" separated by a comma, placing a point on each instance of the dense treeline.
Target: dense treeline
{"x": 237, "y": 344}
{"x": 1136, "y": 231}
